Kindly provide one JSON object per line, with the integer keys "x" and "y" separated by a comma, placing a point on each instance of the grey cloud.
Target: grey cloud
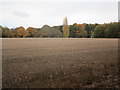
{"x": 21, "y": 14}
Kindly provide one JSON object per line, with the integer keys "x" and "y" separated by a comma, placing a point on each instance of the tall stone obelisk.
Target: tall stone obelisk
{"x": 65, "y": 28}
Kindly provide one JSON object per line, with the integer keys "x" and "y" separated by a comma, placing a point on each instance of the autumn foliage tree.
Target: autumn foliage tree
{"x": 21, "y": 32}
{"x": 82, "y": 32}
{"x": 65, "y": 28}
{"x": 32, "y": 31}
{"x": 78, "y": 30}
{"x": 106, "y": 30}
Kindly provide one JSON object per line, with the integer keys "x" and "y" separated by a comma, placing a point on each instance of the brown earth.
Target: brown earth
{"x": 59, "y": 63}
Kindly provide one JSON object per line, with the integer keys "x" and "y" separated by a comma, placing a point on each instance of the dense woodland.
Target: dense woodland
{"x": 106, "y": 30}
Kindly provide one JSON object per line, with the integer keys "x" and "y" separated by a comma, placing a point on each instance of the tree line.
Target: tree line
{"x": 106, "y": 30}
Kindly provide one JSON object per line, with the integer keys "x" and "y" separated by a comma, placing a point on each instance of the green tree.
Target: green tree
{"x": 1, "y": 31}
{"x": 99, "y": 31}
{"x": 32, "y": 31}
{"x": 87, "y": 28}
{"x": 118, "y": 30}
{"x": 6, "y": 32}
{"x": 111, "y": 30}
{"x": 73, "y": 29}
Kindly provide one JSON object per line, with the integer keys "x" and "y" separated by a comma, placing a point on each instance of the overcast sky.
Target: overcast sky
{"x": 36, "y": 13}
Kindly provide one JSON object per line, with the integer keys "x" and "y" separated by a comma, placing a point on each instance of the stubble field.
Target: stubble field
{"x": 59, "y": 63}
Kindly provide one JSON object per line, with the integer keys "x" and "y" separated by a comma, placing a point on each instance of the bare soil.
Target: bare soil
{"x": 60, "y": 63}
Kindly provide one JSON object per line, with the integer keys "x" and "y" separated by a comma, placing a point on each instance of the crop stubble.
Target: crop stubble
{"x": 59, "y": 63}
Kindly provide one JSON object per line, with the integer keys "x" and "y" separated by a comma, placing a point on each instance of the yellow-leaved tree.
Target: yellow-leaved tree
{"x": 21, "y": 32}
{"x": 65, "y": 28}
{"x": 32, "y": 31}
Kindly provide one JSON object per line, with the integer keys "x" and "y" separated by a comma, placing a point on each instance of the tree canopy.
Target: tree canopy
{"x": 106, "y": 30}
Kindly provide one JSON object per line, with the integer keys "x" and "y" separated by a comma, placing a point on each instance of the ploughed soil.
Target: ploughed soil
{"x": 60, "y": 63}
